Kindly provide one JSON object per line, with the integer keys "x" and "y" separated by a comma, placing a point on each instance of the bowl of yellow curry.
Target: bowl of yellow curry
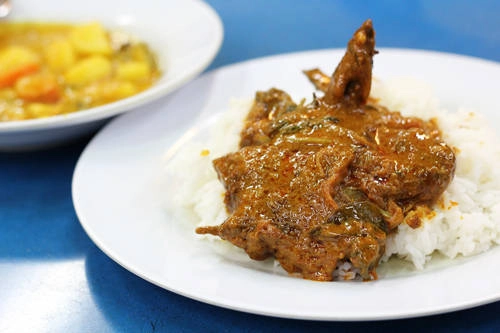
{"x": 65, "y": 71}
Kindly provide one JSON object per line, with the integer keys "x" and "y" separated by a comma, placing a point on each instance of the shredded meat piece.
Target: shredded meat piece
{"x": 319, "y": 184}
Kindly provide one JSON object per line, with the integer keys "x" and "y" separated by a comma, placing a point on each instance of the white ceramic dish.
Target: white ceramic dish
{"x": 186, "y": 35}
{"x": 119, "y": 193}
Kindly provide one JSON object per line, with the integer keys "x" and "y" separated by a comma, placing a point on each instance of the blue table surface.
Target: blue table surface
{"x": 53, "y": 278}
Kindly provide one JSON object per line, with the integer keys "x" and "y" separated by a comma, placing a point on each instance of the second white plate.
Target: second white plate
{"x": 119, "y": 193}
{"x": 185, "y": 36}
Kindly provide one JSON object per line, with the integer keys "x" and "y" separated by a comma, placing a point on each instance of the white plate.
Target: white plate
{"x": 186, "y": 35}
{"x": 119, "y": 195}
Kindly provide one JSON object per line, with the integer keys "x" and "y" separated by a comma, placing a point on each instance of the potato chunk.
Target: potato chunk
{"x": 41, "y": 110}
{"x": 59, "y": 55}
{"x": 133, "y": 70}
{"x": 90, "y": 39}
{"x": 88, "y": 70}
{"x": 110, "y": 90}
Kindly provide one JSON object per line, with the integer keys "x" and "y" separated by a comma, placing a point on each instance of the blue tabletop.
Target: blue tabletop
{"x": 53, "y": 278}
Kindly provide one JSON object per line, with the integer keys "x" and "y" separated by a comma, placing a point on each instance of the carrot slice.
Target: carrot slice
{"x": 41, "y": 88}
{"x": 15, "y": 62}
{"x": 9, "y": 77}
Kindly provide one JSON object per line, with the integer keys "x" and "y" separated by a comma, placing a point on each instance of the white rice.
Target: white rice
{"x": 467, "y": 223}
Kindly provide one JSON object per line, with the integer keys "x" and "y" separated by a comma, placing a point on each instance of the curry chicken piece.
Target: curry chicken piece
{"x": 321, "y": 184}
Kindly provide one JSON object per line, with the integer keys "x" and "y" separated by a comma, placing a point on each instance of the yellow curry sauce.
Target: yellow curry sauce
{"x": 48, "y": 69}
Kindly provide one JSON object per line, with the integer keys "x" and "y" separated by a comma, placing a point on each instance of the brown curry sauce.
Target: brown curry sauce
{"x": 319, "y": 184}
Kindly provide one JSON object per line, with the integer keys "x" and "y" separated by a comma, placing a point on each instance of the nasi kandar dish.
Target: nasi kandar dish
{"x": 323, "y": 184}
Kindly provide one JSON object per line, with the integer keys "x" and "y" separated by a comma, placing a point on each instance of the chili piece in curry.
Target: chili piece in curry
{"x": 324, "y": 183}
